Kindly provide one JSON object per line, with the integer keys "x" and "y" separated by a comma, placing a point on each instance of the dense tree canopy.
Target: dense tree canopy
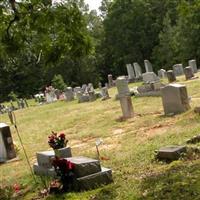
{"x": 39, "y": 40}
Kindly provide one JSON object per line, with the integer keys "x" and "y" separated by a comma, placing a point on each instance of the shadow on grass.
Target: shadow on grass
{"x": 106, "y": 193}
{"x": 180, "y": 182}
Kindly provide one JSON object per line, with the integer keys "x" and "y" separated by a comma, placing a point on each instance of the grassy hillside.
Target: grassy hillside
{"x": 129, "y": 145}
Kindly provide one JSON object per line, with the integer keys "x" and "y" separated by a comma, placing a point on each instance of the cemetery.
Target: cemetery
{"x": 99, "y": 100}
{"x": 137, "y": 133}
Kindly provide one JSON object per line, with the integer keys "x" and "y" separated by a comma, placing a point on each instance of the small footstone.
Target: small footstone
{"x": 92, "y": 181}
{"x": 170, "y": 152}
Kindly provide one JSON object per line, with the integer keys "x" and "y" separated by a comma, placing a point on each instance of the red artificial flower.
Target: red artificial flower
{"x": 62, "y": 135}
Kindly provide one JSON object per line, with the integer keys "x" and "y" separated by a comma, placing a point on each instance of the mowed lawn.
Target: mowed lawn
{"x": 129, "y": 145}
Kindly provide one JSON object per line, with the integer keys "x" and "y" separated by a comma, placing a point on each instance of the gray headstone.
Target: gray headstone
{"x": 42, "y": 171}
{"x": 124, "y": 97}
{"x": 110, "y": 80}
{"x": 104, "y": 93}
{"x": 171, "y": 76}
{"x": 150, "y": 77}
{"x": 178, "y": 69}
{"x": 122, "y": 86}
{"x": 162, "y": 73}
{"x": 148, "y": 66}
{"x": 193, "y": 64}
{"x": 69, "y": 94}
{"x": 131, "y": 74}
{"x": 175, "y": 99}
{"x": 85, "y": 166}
{"x": 7, "y": 150}
{"x": 170, "y": 152}
{"x": 188, "y": 73}
{"x": 138, "y": 70}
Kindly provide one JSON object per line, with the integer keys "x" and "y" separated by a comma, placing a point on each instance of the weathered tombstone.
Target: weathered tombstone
{"x": 104, "y": 93}
{"x": 7, "y": 150}
{"x": 138, "y": 70}
{"x": 193, "y": 64}
{"x": 84, "y": 88}
{"x": 150, "y": 77}
{"x": 90, "y": 87}
{"x": 175, "y": 99}
{"x": 171, "y": 76}
{"x": 131, "y": 74}
{"x": 89, "y": 173}
{"x": 170, "y": 153}
{"x": 50, "y": 94}
{"x": 188, "y": 73}
{"x": 148, "y": 66}
{"x": 178, "y": 69}
{"x": 124, "y": 97}
{"x": 69, "y": 94}
{"x": 110, "y": 80}
{"x": 162, "y": 73}
{"x": 82, "y": 97}
{"x": 92, "y": 96}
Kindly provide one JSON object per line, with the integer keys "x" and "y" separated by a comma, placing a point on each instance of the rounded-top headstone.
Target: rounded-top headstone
{"x": 188, "y": 73}
{"x": 122, "y": 87}
{"x": 171, "y": 76}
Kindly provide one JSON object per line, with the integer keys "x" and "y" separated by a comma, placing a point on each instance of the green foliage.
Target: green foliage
{"x": 58, "y": 82}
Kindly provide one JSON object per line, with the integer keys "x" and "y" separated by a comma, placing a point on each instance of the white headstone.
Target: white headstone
{"x": 148, "y": 66}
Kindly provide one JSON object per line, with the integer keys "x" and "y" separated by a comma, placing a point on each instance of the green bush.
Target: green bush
{"x": 58, "y": 82}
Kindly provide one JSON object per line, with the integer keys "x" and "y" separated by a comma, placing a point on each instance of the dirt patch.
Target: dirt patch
{"x": 150, "y": 132}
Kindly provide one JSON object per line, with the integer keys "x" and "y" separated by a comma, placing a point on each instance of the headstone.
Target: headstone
{"x": 7, "y": 150}
{"x": 69, "y": 94}
{"x": 50, "y": 94}
{"x": 188, "y": 73}
{"x": 150, "y": 77}
{"x": 171, "y": 76}
{"x": 178, "y": 69}
{"x": 138, "y": 70}
{"x": 92, "y": 96}
{"x": 84, "y": 88}
{"x": 122, "y": 86}
{"x": 162, "y": 73}
{"x": 110, "y": 80}
{"x": 82, "y": 97}
{"x": 85, "y": 166}
{"x": 131, "y": 74}
{"x": 90, "y": 87}
{"x": 170, "y": 152}
{"x": 104, "y": 93}
{"x": 148, "y": 66}
{"x": 175, "y": 99}
{"x": 193, "y": 64}
{"x": 124, "y": 97}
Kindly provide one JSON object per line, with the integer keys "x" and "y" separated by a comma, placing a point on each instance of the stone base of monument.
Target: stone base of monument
{"x": 170, "y": 153}
{"x": 43, "y": 171}
{"x": 149, "y": 89}
{"x": 89, "y": 173}
{"x": 104, "y": 177}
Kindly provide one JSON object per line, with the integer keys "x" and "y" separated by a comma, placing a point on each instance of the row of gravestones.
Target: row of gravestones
{"x": 174, "y": 97}
{"x": 21, "y": 104}
{"x": 135, "y": 71}
{"x": 86, "y": 93}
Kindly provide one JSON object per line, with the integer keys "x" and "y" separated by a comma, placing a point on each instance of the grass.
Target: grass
{"x": 129, "y": 145}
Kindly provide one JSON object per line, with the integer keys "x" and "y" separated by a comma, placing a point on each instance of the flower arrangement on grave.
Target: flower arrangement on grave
{"x": 57, "y": 141}
{"x": 65, "y": 171}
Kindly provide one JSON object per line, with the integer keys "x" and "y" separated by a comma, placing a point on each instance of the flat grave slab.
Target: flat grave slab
{"x": 170, "y": 152}
{"x": 42, "y": 171}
